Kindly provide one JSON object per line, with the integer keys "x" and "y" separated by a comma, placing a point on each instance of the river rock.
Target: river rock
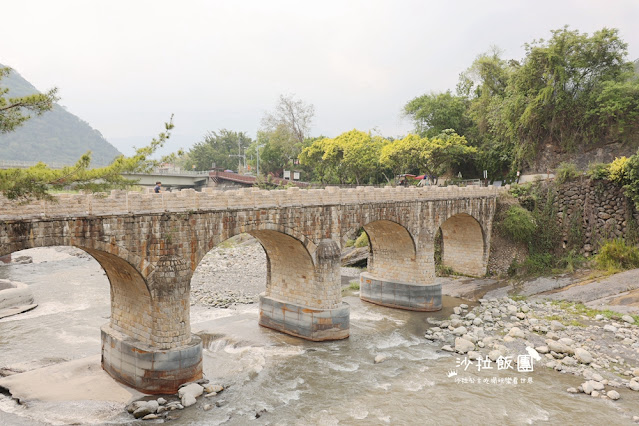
{"x": 590, "y": 386}
{"x": 493, "y": 355}
{"x": 634, "y": 385}
{"x": 456, "y": 322}
{"x": 558, "y": 347}
{"x": 516, "y": 332}
{"x": 150, "y": 417}
{"x": 614, "y": 395}
{"x": 457, "y": 310}
{"x": 192, "y": 389}
{"x": 610, "y": 328}
{"x": 474, "y": 355}
{"x": 570, "y": 361}
{"x": 380, "y": 358}
{"x": 161, "y": 401}
{"x": 542, "y": 349}
{"x": 566, "y": 341}
{"x": 460, "y": 331}
{"x": 448, "y": 348}
{"x": 628, "y": 319}
{"x": 556, "y": 326}
{"x": 135, "y": 405}
{"x": 583, "y": 356}
{"x": 149, "y": 408}
{"x": 188, "y": 400}
{"x": 572, "y": 390}
{"x": 213, "y": 388}
{"x": 462, "y": 345}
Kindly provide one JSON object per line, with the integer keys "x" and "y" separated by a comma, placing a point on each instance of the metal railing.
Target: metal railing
{"x": 12, "y": 164}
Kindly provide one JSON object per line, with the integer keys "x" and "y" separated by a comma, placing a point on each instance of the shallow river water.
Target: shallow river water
{"x": 277, "y": 379}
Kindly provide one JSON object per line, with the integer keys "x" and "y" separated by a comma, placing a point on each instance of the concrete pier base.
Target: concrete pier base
{"x": 148, "y": 369}
{"x": 394, "y": 294}
{"x": 307, "y": 323}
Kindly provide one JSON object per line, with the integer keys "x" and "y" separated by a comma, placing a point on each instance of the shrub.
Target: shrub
{"x": 519, "y": 224}
{"x": 362, "y": 240}
{"x": 617, "y": 255}
{"x": 565, "y": 172}
{"x": 618, "y": 171}
{"x": 350, "y": 243}
{"x": 599, "y": 171}
{"x": 571, "y": 261}
{"x": 538, "y": 263}
{"x": 517, "y": 190}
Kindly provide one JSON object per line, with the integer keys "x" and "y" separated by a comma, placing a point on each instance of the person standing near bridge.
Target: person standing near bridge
{"x": 158, "y": 186}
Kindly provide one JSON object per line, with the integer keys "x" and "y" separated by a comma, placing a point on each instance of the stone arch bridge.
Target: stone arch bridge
{"x": 150, "y": 244}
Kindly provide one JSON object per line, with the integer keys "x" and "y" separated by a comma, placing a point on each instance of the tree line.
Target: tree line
{"x": 573, "y": 90}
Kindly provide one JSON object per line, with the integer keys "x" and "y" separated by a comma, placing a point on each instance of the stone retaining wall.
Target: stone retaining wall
{"x": 599, "y": 208}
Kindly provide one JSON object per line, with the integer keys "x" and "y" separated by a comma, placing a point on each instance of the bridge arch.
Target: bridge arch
{"x": 130, "y": 296}
{"x": 393, "y": 251}
{"x": 463, "y": 245}
{"x": 290, "y": 270}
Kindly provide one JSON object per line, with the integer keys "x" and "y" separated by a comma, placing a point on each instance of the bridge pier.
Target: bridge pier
{"x": 324, "y": 316}
{"x": 397, "y": 294}
{"x": 148, "y": 344}
{"x": 401, "y": 269}
{"x": 147, "y": 368}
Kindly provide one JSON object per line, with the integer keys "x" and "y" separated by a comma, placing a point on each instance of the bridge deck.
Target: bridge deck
{"x": 189, "y": 200}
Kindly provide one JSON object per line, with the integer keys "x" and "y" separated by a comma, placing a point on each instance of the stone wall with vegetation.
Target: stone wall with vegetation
{"x": 590, "y": 212}
{"x": 546, "y": 226}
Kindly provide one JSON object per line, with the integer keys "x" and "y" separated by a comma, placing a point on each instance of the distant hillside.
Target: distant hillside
{"x": 57, "y": 136}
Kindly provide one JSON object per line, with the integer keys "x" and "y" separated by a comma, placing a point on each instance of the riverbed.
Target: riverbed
{"x": 274, "y": 379}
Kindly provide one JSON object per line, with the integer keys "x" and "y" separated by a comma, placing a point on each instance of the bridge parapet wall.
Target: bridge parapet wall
{"x": 123, "y": 203}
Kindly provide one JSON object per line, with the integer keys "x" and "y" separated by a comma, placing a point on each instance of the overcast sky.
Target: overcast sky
{"x": 126, "y": 66}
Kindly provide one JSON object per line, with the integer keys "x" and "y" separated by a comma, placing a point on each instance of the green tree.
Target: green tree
{"x": 219, "y": 148}
{"x": 434, "y": 157}
{"x": 273, "y": 157}
{"x": 37, "y": 181}
{"x": 435, "y": 112}
{"x": 15, "y": 111}
{"x": 352, "y": 157}
{"x": 569, "y": 91}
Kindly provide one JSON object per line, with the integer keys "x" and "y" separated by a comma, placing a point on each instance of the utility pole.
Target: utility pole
{"x": 258, "y": 159}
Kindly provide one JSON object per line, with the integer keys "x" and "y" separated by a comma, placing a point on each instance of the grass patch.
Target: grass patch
{"x": 538, "y": 264}
{"x": 519, "y": 224}
{"x": 581, "y": 309}
{"x": 362, "y": 240}
{"x": 353, "y": 285}
{"x": 615, "y": 255}
{"x": 565, "y": 172}
{"x": 518, "y": 298}
{"x": 564, "y": 321}
{"x": 445, "y": 271}
{"x": 350, "y": 243}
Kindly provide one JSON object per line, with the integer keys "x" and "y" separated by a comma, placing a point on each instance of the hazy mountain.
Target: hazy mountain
{"x": 57, "y": 136}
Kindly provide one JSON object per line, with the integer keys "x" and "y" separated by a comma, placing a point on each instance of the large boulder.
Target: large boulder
{"x": 462, "y": 345}
{"x": 583, "y": 356}
{"x": 149, "y": 408}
